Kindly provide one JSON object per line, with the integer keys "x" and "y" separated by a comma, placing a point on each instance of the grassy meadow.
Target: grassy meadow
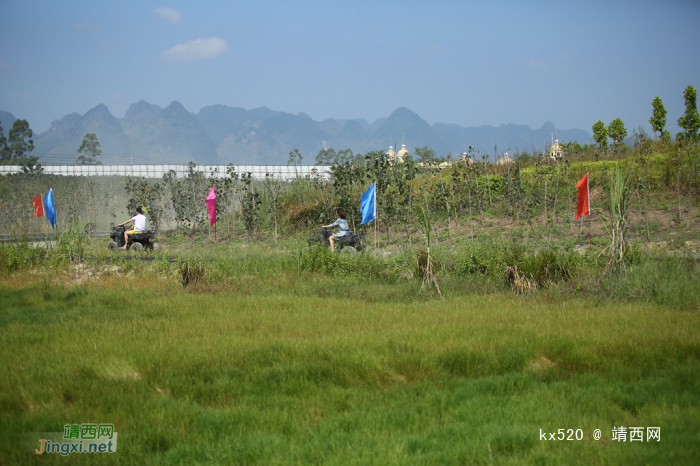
{"x": 311, "y": 358}
{"x": 253, "y": 347}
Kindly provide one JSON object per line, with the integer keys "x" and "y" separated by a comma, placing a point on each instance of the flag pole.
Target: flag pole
{"x": 375, "y": 236}
{"x": 376, "y": 220}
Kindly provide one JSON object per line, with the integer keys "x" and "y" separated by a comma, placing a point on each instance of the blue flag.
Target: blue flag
{"x": 50, "y": 209}
{"x": 368, "y": 204}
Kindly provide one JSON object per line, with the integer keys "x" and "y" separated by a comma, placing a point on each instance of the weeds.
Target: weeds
{"x": 520, "y": 283}
{"x": 425, "y": 267}
{"x": 619, "y": 197}
{"x": 71, "y": 241}
{"x": 193, "y": 272}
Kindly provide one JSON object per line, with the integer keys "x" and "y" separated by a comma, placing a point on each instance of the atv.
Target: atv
{"x": 349, "y": 244}
{"x": 137, "y": 241}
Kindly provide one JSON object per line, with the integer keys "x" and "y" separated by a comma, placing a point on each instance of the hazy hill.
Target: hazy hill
{"x": 403, "y": 124}
{"x": 353, "y": 135}
{"x": 6, "y": 120}
{"x": 172, "y": 134}
{"x": 331, "y": 126}
{"x": 61, "y": 142}
{"x": 512, "y": 137}
{"x": 223, "y": 134}
{"x": 364, "y": 123}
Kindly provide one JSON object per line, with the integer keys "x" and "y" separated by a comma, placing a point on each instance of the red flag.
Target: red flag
{"x": 584, "y": 201}
{"x": 38, "y": 206}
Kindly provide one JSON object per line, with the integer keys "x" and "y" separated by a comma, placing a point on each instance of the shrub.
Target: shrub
{"x": 193, "y": 272}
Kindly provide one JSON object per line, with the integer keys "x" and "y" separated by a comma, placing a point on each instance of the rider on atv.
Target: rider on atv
{"x": 139, "y": 225}
{"x": 342, "y": 223}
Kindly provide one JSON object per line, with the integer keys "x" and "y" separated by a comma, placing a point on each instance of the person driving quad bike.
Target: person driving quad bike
{"x": 139, "y": 225}
{"x": 342, "y": 223}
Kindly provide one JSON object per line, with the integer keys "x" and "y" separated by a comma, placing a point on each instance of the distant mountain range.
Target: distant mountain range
{"x": 220, "y": 134}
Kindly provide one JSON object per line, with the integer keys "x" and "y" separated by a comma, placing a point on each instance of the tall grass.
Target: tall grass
{"x": 230, "y": 378}
{"x": 619, "y": 197}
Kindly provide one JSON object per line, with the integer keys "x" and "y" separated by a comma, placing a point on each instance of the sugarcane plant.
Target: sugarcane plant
{"x": 618, "y": 190}
{"x": 426, "y": 266}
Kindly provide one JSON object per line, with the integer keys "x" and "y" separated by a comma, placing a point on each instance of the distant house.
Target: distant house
{"x": 465, "y": 158}
{"x": 394, "y": 157}
{"x": 556, "y": 152}
{"x": 504, "y": 160}
{"x": 403, "y": 153}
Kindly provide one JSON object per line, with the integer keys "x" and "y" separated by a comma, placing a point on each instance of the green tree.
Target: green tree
{"x": 3, "y": 144}
{"x": 295, "y": 158}
{"x": 331, "y": 157}
{"x": 15, "y": 149}
{"x": 90, "y": 150}
{"x": 658, "y": 117}
{"x": 617, "y": 131}
{"x": 690, "y": 120}
{"x": 425, "y": 154}
{"x": 346, "y": 155}
{"x": 326, "y": 157}
{"x": 600, "y": 134}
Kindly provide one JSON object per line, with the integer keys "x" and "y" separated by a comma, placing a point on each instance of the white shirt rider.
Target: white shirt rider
{"x": 139, "y": 222}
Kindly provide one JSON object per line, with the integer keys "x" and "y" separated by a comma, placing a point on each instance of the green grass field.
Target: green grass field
{"x": 313, "y": 370}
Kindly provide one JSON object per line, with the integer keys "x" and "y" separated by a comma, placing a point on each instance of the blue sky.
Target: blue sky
{"x": 469, "y": 63}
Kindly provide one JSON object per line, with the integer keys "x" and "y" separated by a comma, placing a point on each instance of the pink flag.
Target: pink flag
{"x": 211, "y": 206}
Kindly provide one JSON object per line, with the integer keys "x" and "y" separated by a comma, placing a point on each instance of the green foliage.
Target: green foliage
{"x": 330, "y": 157}
{"x": 295, "y": 158}
{"x": 314, "y": 372}
{"x": 251, "y": 205}
{"x": 666, "y": 281}
{"x": 193, "y": 272}
{"x": 420, "y": 266}
{"x": 3, "y": 144}
{"x": 617, "y": 131}
{"x": 90, "y": 150}
{"x": 658, "y": 116}
{"x": 15, "y": 256}
{"x": 617, "y": 189}
{"x": 550, "y": 265}
{"x": 188, "y": 194}
{"x": 425, "y": 154}
{"x": 147, "y": 194}
{"x": 600, "y": 134}
{"x": 71, "y": 241}
{"x": 690, "y": 120}
{"x": 348, "y": 266}
{"x": 544, "y": 266}
{"x": 14, "y": 149}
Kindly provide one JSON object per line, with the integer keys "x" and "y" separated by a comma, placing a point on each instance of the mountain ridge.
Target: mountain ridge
{"x": 221, "y": 134}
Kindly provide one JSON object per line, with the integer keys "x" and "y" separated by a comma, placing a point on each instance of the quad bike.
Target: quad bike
{"x": 349, "y": 244}
{"x": 137, "y": 241}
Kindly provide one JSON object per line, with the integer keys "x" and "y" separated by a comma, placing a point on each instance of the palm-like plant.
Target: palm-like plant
{"x": 619, "y": 197}
{"x": 426, "y": 267}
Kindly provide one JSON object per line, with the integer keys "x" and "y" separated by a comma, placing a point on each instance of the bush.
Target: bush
{"x": 14, "y": 256}
{"x": 501, "y": 261}
{"x": 668, "y": 281}
{"x": 366, "y": 266}
{"x": 193, "y": 272}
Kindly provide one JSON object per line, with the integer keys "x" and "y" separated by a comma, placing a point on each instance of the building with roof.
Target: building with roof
{"x": 556, "y": 151}
{"x": 504, "y": 159}
{"x": 397, "y": 157}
